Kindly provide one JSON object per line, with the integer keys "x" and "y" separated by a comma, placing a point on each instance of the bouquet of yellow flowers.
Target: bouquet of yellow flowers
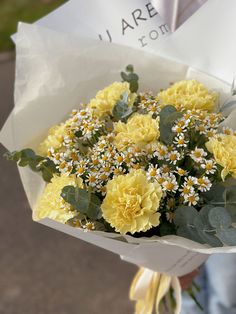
{"x": 137, "y": 163}
{"x": 144, "y": 167}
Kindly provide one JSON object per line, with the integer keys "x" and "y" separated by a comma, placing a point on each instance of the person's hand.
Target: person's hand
{"x": 186, "y": 280}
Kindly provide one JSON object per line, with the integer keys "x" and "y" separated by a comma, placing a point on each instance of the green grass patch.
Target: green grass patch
{"x": 13, "y": 11}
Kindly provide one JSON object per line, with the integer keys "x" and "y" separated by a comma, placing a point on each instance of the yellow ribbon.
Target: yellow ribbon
{"x": 149, "y": 288}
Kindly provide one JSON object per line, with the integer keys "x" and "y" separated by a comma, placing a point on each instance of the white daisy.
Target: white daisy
{"x": 179, "y": 128}
{"x": 198, "y": 154}
{"x": 161, "y": 152}
{"x": 190, "y": 181}
{"x": 170, "y": 184}
{"x": 152, "y": 172}
{"x": 204, "y": 184}
{"x": 191, "y": 199}
{"x": 186, "y": 190}
{"x": 209, "y": 166}
{"x": 173, "y": 157}
{"x": 180, "y": 141}
{"x": 228, "y": 131}
{"x": 181, "y": 172}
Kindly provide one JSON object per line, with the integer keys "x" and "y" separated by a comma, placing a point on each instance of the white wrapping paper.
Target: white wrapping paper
{"x": 133, "y": 23}
{"x": 54, "y": 73}
{"x": 205, "y": 41}
{"x": 176, "y": 12}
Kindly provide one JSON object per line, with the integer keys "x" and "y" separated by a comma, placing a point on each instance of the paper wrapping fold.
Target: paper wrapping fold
{"x": 54, "y": 73}
{"x": 176, "y": 12}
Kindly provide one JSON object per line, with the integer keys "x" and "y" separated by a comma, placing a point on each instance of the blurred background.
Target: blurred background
{"x": 12, "y": 11}
{"x": 42, "y": 270}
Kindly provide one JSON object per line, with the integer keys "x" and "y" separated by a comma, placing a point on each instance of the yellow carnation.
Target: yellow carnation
{"x": 140, "y": 130}
{"x": 51, "y": 204}
{"x": 131, "y": 203}
{"x": 223, "y": 147}
{"x": 107, "y": 98}
{"x": 54, "y": 139}
{"x": 189, "y": 94}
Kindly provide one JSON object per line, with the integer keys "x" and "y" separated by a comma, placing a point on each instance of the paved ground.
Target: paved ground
{"x": 43, "y": 271}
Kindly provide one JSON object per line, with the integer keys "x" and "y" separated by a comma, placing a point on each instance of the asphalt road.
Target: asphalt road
{"x": 43, "y": 271}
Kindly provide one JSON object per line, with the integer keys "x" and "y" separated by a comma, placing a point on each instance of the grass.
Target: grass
{"x": 13, "y": 11}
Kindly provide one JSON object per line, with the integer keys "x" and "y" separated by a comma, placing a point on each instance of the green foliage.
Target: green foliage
{"x": 121, "y": 110}
{"x": 219, "y": 218}
{"x": 223, "y": 195}
{"x": 230, "y": 200}
{"x": 212, "y": 225}
{"x": 227, "y": 236}
{"x": 168, "y": 117}
{"x": 130, "y": 77}
{"x": 184, "y": 221}
{"x": 215, "y": 196}
{"x": 13, "y": 11}
{"x": 27, "y": 157}
{"x": 166, "y": 228}
{"x": 204, "y": 229}
{"x": 83, "y": 201}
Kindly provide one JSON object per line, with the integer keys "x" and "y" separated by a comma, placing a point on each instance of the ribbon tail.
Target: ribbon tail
{"x": 162, "y": 290}
{"x": 178, "y": 296}
{"x": 143, "y": 290}
{"x": 149, "y": 288}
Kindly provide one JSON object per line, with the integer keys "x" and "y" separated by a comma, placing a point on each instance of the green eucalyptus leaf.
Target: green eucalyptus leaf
{"x": 131, "y": 77}
{"x": 48, "y": 168}
{"x": 204, "y": 215}
{"x": 121, "y": 110}
{"x": 230, "y": 200}
{"x": 232, "y": 211}
{"x": 215, "y": 196}
{"x": 173, "y": 117}
{"x": 190, "y": 233}
{"x": 230, "y": 195}
{"x": 14, "y": 156}
{"x": 201, "y": 221}
{"x": 184, "y": 221}
{"x": 204, "y": 229}
{"x": 83, "y": 201}
{"x": 228, "y": 236}
{"x": 27, "y": 157}
{"x": 185, "y": 215}
{"x": 134, "y": 86}
{"x": 124, "y": 76}
{"x": 209, "y": 238}
{"x": 168, "y": 117}
{"x": 219, "y": 218}
{"x": 167, "y": 228}
{"x": 195, "y": 225}
{"x": 129, "y": 68}
{"x": 71, "y": 194}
